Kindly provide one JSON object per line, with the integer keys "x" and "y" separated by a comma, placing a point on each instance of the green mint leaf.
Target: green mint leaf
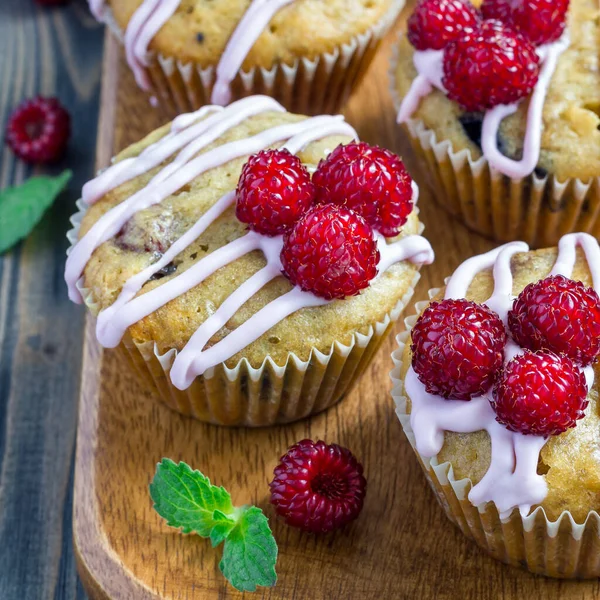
{"x": 250, "y": 552}
{"x": 186, "y": 499}
{"x": 22, "y": 207}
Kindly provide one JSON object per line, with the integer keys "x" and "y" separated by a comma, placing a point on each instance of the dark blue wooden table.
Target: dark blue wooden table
{"x": 49, "y": 51}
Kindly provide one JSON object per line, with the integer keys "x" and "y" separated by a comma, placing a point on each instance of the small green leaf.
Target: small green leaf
{"x": 250, "y": 552}
{"x": 187, "y": 499}
{"x": 22, "y": 207}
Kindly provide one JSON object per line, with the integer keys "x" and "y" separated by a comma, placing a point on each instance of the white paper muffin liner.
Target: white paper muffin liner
{"x": 255, "y": 397}
{"x": 561, "y": 548}
{"x": 537, "y": 210}
{"x": 308, "y": 86}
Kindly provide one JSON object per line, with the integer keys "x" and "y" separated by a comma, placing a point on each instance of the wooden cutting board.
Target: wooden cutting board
{"x": 402, "y": 546}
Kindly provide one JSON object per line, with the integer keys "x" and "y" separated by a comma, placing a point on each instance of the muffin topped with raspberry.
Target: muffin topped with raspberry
{"x": 497, "y": 388}
{"x": 235, "y": 240}
{"x": 478, "y": 58}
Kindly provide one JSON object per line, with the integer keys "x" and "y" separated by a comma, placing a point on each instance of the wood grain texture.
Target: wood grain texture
{"x": 50, "y": 52}
{"x": 401, "y": 547}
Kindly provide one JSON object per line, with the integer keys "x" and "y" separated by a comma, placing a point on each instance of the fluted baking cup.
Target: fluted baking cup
{"x": 269, "y": 394}
{"x": 561, "y": 548}
{"x": 537, "y": 210}
{"x": 308, "y": 86}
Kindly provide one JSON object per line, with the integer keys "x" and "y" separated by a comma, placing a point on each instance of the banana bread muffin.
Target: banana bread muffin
{"x": 533, "y": 171}
{"x": 308, "y": 54}
{"x": 507, "y": 428}
{"x": 163, "y": 255}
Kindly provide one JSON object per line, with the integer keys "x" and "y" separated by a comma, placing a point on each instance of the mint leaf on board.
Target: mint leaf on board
{"x": 187, "y": 500}
{"x": 250, "y": 552}
{"x": 22, "y": 206}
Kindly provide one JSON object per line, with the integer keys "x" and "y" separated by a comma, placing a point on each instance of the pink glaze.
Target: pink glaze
{"x": 243, "y": 38}
{"x": 174, "y": 176}
{"x": 429, "y": 65}
{"x": 511, "y": 480}
{"x": 151, "y": 16}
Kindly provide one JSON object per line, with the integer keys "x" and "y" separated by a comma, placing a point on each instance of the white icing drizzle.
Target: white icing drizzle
{"x": 250, "y": 27}
{"x": 152, "y": 15}
{"x": 429, "y": 65}
{"x": 511, "y": 480}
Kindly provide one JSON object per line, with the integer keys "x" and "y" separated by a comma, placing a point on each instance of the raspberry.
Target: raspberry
{"x": 318, "y": 487}
{"x": 457, "y": 346}
{"x": 498, "y": 9}
{"x": 540, "y": 393}
{"x": 38, "y": 130}
{"x": 542, "y": 21}
{"x": 490, "y": 66}
{"x": 371, "y": 181}
{"x": 330, "y": 252}
{"x": 274, "y": 190}
{"x": 434, "y": 23}
{"x": 558, "y": 314}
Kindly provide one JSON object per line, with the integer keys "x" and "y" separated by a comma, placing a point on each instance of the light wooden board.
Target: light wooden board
{"x": 401, "y": 547}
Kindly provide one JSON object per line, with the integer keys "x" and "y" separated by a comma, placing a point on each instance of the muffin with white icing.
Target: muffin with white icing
{"x": 496, "y": 389}
{"x": 250, "y": 260}
{"x": 308, "y": 54}
{"x": 502, "y": 109}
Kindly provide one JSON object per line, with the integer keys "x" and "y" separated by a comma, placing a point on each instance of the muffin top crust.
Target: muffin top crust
{"x": 570, "y": 144}
{"x": 569, "y": 462}
{"x": 200, "y": 29}
{"x": 147, "y": 235}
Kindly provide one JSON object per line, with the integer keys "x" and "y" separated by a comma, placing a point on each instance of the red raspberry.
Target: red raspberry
{"x": 540, "y": 393}
{"x": 434, "y": 23}
{"x": 542, "y": 21}
{"x": 457, "y": 347}
{"x": 38, "y": 130}
{"x": 371, "y": 181}
{"x": 330, "y": 252}
{"x": 318, "y": 487}
{"x": 493, "y": 65}
{"x": 273, "y": 192}
{"x": 498, "y": 9}
{"x": 558, "y": 314}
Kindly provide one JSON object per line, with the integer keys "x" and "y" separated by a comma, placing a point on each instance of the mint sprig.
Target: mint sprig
{"x": 187, "y": 500}
{"x": 22, "y": 206}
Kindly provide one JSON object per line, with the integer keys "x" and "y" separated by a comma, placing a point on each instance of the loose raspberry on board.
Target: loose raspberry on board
{"x": 318, "y": 487}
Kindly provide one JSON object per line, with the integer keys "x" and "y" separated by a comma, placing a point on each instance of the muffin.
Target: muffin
{"x": 512, "y": 159}
{"x": 252, "y": 299}
{"x": 308, "y": 54}
{"x": 495, "y": 386}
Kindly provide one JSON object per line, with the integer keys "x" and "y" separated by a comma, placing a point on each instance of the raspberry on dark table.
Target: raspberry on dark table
{"x": 318, "y": 487}
{"x": 38, "y": 130}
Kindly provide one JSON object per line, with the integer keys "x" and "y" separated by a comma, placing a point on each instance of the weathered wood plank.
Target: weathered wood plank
{"x": 50, "y": 52}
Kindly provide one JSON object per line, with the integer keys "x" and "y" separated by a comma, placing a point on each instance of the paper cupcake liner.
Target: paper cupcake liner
{"x": 537, "y": 210}
{"x": 561, "y": 548}
{"x": 318, "y": 86}
{"x": 267, "y": 395}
